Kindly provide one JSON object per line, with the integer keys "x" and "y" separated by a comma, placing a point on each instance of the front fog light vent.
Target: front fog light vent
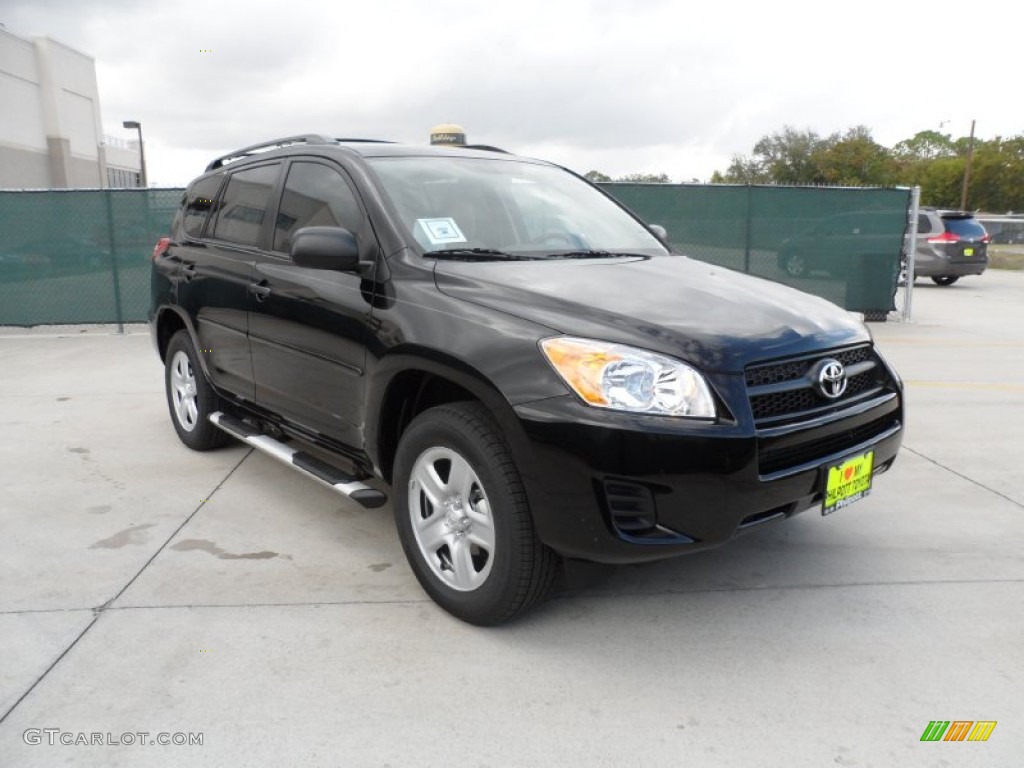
{"x": 631, "y": 507}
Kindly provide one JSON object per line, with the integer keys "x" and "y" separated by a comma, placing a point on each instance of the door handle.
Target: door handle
{"x": 260, "y": 289}
{"x": 189, "y": 271}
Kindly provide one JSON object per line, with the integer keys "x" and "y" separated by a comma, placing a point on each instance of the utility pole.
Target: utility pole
{"x": 967, "y": 170}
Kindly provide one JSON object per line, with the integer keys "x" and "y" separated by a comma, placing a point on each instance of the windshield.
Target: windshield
{"x": 506, "y": 207}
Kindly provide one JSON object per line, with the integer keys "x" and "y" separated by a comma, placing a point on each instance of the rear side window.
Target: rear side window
{"x": 966, "y": 228}
{"x": 314, "y": 196}
{"x": 199, "y": 203}
{"x": 244, "y": 204}
{"x": 924, "y": 224}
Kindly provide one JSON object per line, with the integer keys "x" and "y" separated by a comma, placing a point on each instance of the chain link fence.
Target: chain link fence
{"x": 79, "y": 256}
{"x": 82, "y": 256}
{"x": 844, "y": 244}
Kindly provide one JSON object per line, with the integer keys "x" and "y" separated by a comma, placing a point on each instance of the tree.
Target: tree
{"x": 940, "y": 181}
{"x": 788, "y": 157}
{"x": 744, "y": 170}
{"x": 933, "y": 160}
{"x": 785, "y": 157}
{"x": 854, "y": 159}
{"x": 646, "y": 178}
{"x": 997, "y": 175}
{"x": 924, "y": 146}
{"x": 596, "y": 177}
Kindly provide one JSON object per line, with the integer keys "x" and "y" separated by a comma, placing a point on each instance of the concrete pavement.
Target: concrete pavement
{"x": 147, "y": 588}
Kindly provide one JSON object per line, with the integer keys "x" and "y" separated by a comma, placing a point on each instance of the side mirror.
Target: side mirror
{"x": 325, "y": 248}
{"x": 659, "y": 231}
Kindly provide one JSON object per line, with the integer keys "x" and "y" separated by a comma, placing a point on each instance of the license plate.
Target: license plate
{"x": 847, "y": 482}
{"x": 968, "y": 251}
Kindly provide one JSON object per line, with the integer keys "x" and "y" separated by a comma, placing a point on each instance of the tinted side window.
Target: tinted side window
{"x": 244, "y": 204}
{"x": 199, "y": 203}
{"x": 924, "y": 224}
{"x": 314, "y": 195}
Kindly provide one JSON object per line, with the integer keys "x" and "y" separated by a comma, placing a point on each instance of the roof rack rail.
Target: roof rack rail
{"x": 365, "y": 141}
{"x": 309, "y": 138}
{"x": 485, "y": 148}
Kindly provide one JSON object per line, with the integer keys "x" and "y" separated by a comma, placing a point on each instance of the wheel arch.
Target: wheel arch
{"x": 404, "y": 385}
{"x": 169, "y": 321}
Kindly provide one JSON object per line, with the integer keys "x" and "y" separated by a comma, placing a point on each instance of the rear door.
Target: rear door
{"x": 966, "y": 239}
{"x": 308, "y": 327}
{"x": 217, "y": 271}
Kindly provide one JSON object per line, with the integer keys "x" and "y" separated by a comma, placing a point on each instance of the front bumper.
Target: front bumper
{"x": 620, "y": 488}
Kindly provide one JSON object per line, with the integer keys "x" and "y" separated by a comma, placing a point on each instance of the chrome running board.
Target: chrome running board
{"x": 342, "y": 482}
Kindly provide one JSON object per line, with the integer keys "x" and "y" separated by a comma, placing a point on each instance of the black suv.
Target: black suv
{"x": 536, "y": 376}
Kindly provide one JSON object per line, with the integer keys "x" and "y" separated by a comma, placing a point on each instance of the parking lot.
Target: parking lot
{"x": 146, "y": 588}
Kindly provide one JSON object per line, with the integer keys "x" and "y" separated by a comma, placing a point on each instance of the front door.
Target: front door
{"x": 308, "y": 326}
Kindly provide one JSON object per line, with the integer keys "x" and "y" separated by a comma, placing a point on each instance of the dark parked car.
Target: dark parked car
{"x": 950, "y": 244}
{"x": 527, "y": 367}
{"x": 846, "y": 242}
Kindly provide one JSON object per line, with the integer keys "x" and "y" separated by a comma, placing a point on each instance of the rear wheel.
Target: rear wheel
{"x": 190, "y": 398}
{"x": 945, "y": 279}
{"x": 463, "y": 518}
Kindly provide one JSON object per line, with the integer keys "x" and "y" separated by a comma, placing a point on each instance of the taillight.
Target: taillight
{"x": 161, "y": 247}
{"x": 945, "y": 237}
{"x": 986, "y": 239}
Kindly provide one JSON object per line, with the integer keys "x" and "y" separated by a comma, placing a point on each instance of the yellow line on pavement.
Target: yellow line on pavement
{"x": 996, "y": 387}
{"x": 882, "y": 341}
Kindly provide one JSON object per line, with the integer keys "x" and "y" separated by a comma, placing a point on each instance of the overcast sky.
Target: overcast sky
{"x": 621, "y": 86}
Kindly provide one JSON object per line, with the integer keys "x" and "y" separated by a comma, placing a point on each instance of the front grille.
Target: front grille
{"x": 785, "y": 389}
{"x": 775, "y": 373}
{"x": 772, "y": 460}
{"x": 784, "y": 397}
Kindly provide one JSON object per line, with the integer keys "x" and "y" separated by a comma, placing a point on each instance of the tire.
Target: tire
{"x": 190, "y": 398}
{"x": 464, "y": 520}
{"x": 795, "y": 265}
{"x": 945, "y": 279}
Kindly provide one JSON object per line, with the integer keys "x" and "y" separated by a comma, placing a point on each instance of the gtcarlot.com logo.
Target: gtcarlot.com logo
{"x": 958, "y": 730}
{"x": 55, "y": 736}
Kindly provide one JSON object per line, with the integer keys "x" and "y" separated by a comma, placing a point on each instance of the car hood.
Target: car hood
{"x": 710, "y": 316}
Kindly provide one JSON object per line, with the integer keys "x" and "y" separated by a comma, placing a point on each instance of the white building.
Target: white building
{"x": 51, "y": 134}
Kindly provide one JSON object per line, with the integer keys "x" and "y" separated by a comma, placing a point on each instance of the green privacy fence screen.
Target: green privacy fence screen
{"x": 79, "y": 256}
{"x": 82, "y": 256}
{"x": 843, "y": 244}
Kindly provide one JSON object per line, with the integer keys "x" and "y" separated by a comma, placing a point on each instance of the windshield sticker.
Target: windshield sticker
{"x": 442, "y": 231}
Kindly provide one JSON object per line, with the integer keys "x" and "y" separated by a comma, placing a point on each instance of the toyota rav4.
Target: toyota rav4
{"x": 527, "y": 368}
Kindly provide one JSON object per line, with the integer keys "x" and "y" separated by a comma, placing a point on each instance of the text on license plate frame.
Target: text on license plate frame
{"x": 848, "y": 481}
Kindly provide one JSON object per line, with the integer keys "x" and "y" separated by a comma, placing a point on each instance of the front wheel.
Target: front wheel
{"x": 463, "y": 517}
{"x": 945, "y": 279}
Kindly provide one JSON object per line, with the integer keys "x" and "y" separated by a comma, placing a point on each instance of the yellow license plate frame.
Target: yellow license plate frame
{"x": 848, "y": 481}
{"x": 968, "y": 251}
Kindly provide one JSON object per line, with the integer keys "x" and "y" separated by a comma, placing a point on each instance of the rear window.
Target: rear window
{"x": 968, "y": 228}
{"x": 199, "y": 203}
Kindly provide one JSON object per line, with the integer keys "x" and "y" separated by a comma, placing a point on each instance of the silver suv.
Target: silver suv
{"x": 950, "y": 244}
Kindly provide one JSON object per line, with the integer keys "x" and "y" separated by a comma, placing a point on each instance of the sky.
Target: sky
{"x": 619, "y": 86}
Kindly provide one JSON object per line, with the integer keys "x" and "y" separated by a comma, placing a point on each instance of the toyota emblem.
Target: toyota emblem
{"x": 831, "y": 378}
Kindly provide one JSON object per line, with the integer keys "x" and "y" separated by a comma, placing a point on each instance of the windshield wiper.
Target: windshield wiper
{"x": 477, "y": 254}
{"x": 592, "y": 255}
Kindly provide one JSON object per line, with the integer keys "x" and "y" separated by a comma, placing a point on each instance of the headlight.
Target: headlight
{"x": 627, "y": 379}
